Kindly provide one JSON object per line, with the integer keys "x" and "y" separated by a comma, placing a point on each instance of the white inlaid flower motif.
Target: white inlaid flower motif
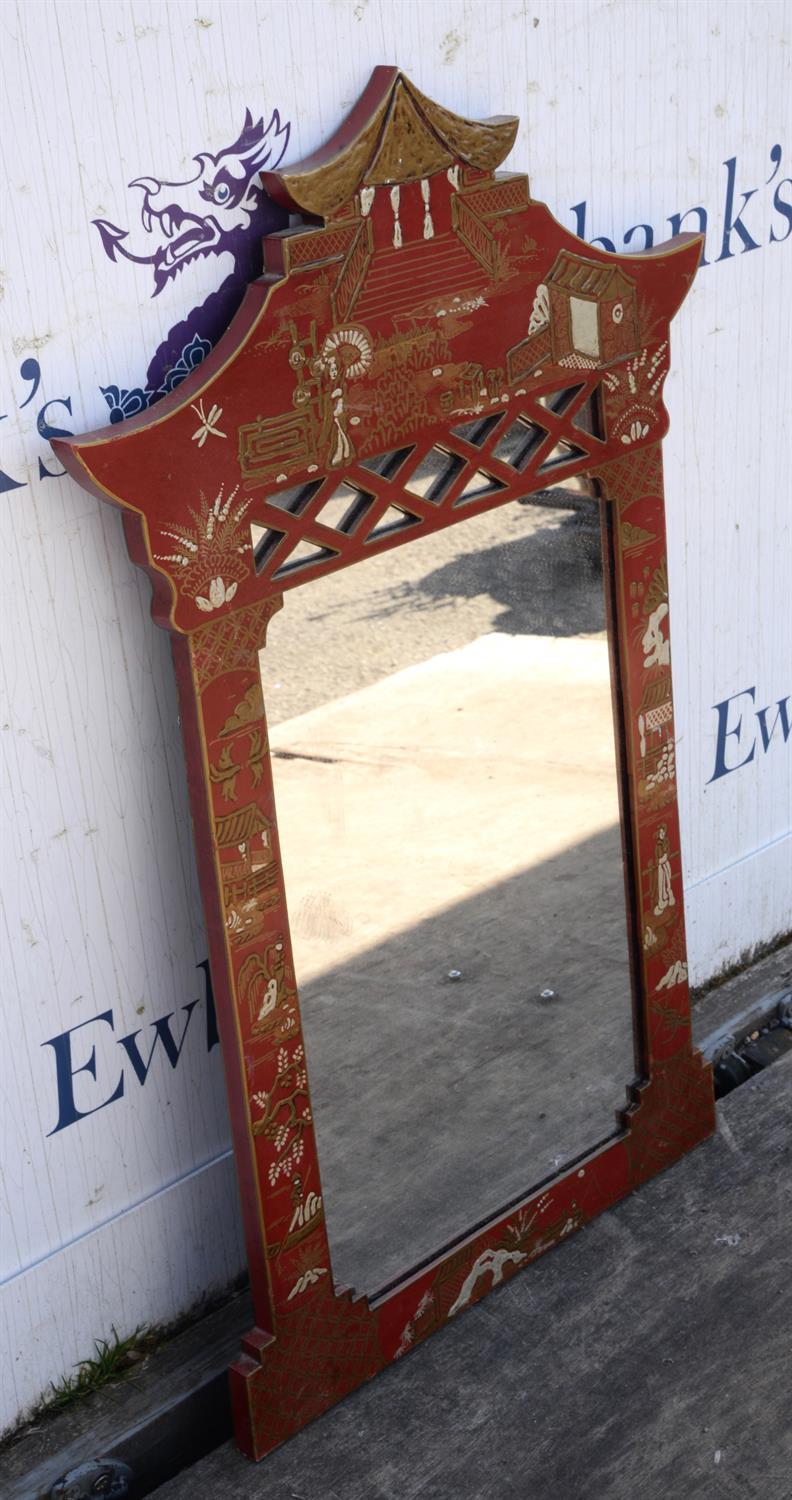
{"x": 220, "y": 593}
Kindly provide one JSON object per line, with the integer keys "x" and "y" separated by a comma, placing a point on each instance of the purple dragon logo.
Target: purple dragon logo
{"x": 222, "y": 210}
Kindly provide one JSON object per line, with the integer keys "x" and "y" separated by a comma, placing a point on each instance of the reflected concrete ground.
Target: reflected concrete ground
{"x": 437, "y": 1101}
{"x": 456, "y": 814}
{"x": 526, "y": 569}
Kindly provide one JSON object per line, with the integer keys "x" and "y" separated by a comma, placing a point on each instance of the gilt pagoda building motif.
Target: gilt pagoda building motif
{"x": 426, "y": 342}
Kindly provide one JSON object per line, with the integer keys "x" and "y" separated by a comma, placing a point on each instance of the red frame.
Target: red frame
{"x": 421, "y": 292}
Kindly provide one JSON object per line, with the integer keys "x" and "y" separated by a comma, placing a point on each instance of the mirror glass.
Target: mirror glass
{"x": 445, "y": 775}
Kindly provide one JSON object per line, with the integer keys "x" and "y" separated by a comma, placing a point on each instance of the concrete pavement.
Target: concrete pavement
{"x": 648, "y": 1355}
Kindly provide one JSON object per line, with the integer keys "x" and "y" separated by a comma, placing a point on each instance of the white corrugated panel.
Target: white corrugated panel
{"x": 632, "y": 113}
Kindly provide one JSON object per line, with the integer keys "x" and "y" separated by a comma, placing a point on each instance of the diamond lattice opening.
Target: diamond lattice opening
{"x": 387, "y": 464}
{"x": 562, "y": 453}
{"x": 478, "y": 431}
{"x": 519, "y": 443}
{"x": 479, "y": 485}
{"x": 434, "y": 475}
{"x": 345, "y": 508}
{"x": 304, "y": 555}
{"x": 295, "y": 499}
{"x": 394, "y": 519}
{"x": 590, "y": 419}
{"x": 558, "y": 401}
{"x": 264, "y": 540}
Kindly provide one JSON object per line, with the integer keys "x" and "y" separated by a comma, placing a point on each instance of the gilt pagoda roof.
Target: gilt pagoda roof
{"x": 394, "y": 134}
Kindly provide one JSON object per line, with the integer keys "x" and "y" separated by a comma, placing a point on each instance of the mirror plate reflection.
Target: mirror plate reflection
{"x": 448, "y": 813}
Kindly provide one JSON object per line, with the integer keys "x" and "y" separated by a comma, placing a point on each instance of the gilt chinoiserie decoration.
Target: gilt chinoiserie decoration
{"x": 427, "y": 343}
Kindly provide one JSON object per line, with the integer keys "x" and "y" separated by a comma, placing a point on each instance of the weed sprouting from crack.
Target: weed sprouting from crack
{"x": 112, "y": 1358}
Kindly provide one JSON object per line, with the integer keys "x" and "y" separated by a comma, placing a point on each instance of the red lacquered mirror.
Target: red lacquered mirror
{"x": 445, "y": 884}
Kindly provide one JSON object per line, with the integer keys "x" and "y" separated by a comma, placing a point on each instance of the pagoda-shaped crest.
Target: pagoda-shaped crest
{"x": 426, "y": 343}
{"x": 393, "y": 136}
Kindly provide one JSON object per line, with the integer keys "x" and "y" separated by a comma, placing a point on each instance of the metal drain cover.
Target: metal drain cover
{"x": 106, "y": 1477}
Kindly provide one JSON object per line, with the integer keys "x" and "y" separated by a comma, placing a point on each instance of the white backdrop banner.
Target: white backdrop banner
{"x": 133, "y": 135}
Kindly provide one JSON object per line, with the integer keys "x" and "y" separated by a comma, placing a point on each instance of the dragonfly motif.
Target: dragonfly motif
{"x": 207, "y": 423}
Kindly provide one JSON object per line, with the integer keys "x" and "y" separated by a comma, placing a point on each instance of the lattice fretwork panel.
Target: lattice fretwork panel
{"x": 390, "y": 497}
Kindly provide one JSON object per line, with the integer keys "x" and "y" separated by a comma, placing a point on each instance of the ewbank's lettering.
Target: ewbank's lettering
{"x": 747, "y": 218}
{"x": 781, "y": 721}
{"x": 737, "y": 738}
{"x": 162, "y": 1036}
{"x": 732, "y": 222}
{"x": 66, "y": 1071}
{"x": 79, "y": 1042}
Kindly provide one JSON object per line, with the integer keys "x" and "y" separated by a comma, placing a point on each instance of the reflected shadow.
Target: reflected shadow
{"x": 547, "y": 582}
{"x": 438, "y": 1099}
